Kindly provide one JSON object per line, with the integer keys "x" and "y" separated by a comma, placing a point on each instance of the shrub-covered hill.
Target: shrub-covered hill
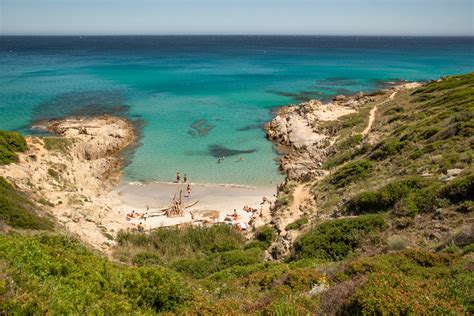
{"x": 415, "y": 166}
{"x": 389, "y": 232}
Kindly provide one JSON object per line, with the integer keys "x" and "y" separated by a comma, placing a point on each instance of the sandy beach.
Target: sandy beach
{"x": 150, "y": 198}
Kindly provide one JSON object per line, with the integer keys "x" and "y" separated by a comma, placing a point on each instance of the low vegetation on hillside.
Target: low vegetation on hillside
{"x": 10, "y": 144}
{"x": 392, "y": 234}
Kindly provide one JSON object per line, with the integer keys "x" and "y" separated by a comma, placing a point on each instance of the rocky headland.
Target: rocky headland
{"x": 71, "y": 172}
{"x": 306, "y": 135}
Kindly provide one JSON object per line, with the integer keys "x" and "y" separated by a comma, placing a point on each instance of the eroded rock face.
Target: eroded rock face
{"x": 75, "y": 173}
{"x": 295, "y": 128}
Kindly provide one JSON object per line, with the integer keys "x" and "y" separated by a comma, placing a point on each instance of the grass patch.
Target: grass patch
{"x": 192, "y": 242}
{"x": 60, "y": 144}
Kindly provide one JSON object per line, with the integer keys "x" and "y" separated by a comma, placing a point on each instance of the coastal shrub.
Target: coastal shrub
{"x": 338, "y": 159}
{"x": 146, "y": 258}
{"x": 386, "y": 149}
{"x": 426, "y": 199}
{"x": 350, "y": 142}
{"x": 13, "y": 141}
{"x": 7, "y": 156}
{"x": 265, "y": 235}
{"x": 459, "y": 190}
{"x": 257, "y": 244}
{"x": 395, "y": 294}
{"x": 351, "y": 172}
{"x": 409, "y": 281}
{"x": 10, "y": 143}
{"x": 17, "y": 211}
{"x": 384, "y": 198}
{"x": 56, "y": 274}
{"x": 335, "y": 239}
{"x": 203, "y": 267}
{"x": 298, "y": 223}
{"x": 428, "y": 132}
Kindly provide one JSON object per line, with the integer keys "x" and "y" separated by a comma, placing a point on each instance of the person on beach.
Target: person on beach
{"x": 235, "y": 216}
{"x": 185, "y": 178}
{"x": 188, "y": 189}
{"x": 140, "y": 228}
{"x": 178, "y": 177}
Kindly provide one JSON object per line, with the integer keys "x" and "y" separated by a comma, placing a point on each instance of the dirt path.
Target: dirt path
{"x": 300, "y": 196}
{"x": 372, "y": 114}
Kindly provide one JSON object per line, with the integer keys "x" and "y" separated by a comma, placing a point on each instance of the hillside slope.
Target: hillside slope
{"x": 372, "y": 223}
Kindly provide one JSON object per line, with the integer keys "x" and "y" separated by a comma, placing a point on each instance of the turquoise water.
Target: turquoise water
{"x": 197, "y": 96}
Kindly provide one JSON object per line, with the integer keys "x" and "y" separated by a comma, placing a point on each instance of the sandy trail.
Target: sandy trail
{"x": 300, "y": 196}
{"x": 372, "y": 114}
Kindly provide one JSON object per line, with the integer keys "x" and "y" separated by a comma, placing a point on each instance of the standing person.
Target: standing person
{"x": 189, "y": 190}
{"x": 185, "y": 178}
{"x": 178, "y": 177}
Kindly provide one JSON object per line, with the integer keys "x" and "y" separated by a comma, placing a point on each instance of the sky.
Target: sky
{"x": 285, "y": 17}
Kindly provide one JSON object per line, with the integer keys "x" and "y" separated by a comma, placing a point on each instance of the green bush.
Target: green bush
{"x": 409, "y": 282}
{"x": 335, "y": 239}
{"x": 17, "y": 211}
{"x": 7, "y": 156}
{"x": 386, "y": 149}
{"x": 352, "y": 172}
{"x": 298, "y": 223}
{"x": 13, "y": 140}
{"x": 57, "y": 275}
{"x": 146, "y": 258}
{"x": 459, "y": 190}
{"x": 386, "y": 197}
{"x": 257, "y": 244}
{"x": 265, "y": 234}
{"x": 395, "y": 294}
{"x": 426, "y": 200}
{"x": 10, "y": 143}
{"x": 200, "y": 268}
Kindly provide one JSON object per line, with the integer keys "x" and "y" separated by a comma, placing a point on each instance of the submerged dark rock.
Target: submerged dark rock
{"x": 300, "y": 96}
{"x": 84, "y": 103}
{"x": 200, "y": 128}
{"x": 250, "y": 127}
{"x": 221, "y": 151}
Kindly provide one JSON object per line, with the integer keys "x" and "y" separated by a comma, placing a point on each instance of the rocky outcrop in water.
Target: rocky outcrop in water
{"x": 295, "y": 132}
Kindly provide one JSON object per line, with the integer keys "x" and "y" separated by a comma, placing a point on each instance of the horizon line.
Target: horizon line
{"x": 237, "y": 34}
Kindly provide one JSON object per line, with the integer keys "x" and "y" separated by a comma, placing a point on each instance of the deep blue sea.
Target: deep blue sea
{"x": 200, "y": 97}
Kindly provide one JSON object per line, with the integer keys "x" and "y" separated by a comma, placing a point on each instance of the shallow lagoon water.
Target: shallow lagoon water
{"x": 199, "y": 96}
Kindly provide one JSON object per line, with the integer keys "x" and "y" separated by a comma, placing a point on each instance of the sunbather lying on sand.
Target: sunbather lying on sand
{"x": 133, "y": 214}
